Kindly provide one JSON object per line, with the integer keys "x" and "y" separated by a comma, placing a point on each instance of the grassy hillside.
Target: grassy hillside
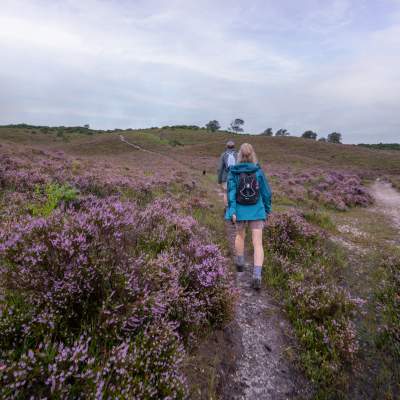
{"x": 189, "y": 145}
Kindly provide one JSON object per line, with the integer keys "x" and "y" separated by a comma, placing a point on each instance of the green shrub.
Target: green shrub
{"x": 322, "y": 219}
{"x": 54, "y": 194}
{"x": 175, "y": 142}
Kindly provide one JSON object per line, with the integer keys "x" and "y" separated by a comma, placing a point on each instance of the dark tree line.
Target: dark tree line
{"x": 279, "y": 132}
{"x": 237, "y": 126}
{"x": 333, "y": 137}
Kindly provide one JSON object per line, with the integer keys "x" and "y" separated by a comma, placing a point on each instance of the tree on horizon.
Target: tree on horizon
{"x": 335, "y": 137}
{"x": 309, "y": 135}
{"x": 268, "y": 132}
{"x": 236, "y": 125}
{"x": 213, "y": 125}
{"x": 282, "y": 132}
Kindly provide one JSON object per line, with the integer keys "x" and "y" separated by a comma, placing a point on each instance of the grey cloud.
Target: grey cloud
{"x": 135, "y": 64}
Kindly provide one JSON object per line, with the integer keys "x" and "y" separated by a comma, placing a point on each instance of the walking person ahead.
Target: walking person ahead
{"x": 249, "y": 203}
{"x": 226, "y": 161}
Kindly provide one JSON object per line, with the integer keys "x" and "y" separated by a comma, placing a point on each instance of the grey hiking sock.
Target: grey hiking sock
{"x": 240, "y": 260}
{"x": 257, "y": 272}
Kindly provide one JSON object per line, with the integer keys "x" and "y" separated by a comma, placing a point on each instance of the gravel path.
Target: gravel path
{"x": 262, "y": 370}
{"x": 137, "y": 147}
{"x": 387, "y": 199}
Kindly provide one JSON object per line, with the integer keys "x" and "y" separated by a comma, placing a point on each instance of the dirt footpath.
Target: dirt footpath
{"x": 387, "y": 200}
{"x": 262, "y": 370}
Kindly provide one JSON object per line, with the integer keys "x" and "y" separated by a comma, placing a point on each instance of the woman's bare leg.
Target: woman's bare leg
{"x": 239, "y": 241}
{"x": 258, "y": 257}
{"x": 223, "y": 186}
{"x": 258, "y": 247}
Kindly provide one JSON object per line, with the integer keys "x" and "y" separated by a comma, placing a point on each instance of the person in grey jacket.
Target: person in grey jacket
{"x": 226, "y": 161}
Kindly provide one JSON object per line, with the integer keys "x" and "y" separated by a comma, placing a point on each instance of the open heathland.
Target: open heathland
{"x": 115, "y": 271}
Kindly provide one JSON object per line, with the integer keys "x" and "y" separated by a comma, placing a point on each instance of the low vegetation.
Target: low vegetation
{"x": 382, "y": 146}
{"x": 93, "y": 285}
{"x": 110, "y": 255}
{"x": 303, "y": 267}
{"x": 387, "y": 299}
{"x": 337, "y": 190}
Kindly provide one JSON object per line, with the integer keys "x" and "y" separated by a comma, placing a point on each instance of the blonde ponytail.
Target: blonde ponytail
{"x": 247, "y": 154}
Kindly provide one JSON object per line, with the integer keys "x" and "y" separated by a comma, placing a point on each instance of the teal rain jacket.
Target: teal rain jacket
{"x": 253, "y": 212}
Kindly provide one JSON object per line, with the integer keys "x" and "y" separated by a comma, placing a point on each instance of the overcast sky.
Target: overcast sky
{"x": 324, "y": 65}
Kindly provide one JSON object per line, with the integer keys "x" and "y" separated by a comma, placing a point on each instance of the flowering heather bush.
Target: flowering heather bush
{"x": 23, "y": 172}
{"x": 288, "y": 229}
{"x": 336, "y": 189}
{"x": 105, "y": 289}
{"x": 321, "y": 311}
{"x": 341, "y": 190}
{"x": 143, "y": 367}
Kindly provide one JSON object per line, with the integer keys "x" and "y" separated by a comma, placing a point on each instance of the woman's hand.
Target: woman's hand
{"x": 234, "y": 218}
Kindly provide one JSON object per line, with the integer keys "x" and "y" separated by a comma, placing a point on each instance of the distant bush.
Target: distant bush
{"x": 282, "y": 132}
{"x": 59, "y": 130}
{"x": 268, "y": 132}
{"x": 309, "y": 135}
{"x": 23, "y": 126}
{"x": 190, "y": 127}
{"x": 382, "y": 146}
{"x": 335, "y": 137}
{"x": 213, "y": 126}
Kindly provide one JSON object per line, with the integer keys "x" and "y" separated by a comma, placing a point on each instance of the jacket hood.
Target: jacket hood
{"x": 244, "y": 167}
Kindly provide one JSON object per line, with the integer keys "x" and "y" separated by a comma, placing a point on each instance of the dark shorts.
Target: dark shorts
{"x": 258, "y": 224}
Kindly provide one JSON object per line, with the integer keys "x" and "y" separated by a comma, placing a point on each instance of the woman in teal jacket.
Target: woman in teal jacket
{"x": 254, "y": 213}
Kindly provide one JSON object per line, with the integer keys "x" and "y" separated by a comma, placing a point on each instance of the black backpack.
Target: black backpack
{"x": 248, "y": 189}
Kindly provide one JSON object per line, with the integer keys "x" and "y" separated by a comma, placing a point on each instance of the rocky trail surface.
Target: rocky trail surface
{"x": 262, "y": 370}
{"x": 387, "y": 200}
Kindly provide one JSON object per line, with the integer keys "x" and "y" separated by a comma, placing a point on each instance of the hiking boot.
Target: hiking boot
{"x": 256, "y": 283}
